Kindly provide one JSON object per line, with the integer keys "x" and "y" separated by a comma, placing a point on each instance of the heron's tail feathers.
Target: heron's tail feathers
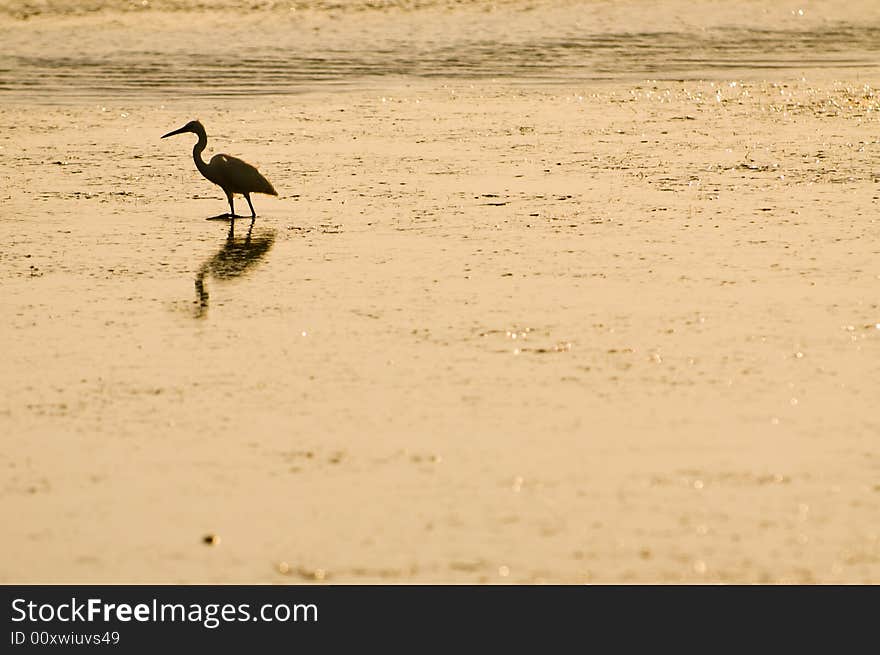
{"x": 267, "y": 188}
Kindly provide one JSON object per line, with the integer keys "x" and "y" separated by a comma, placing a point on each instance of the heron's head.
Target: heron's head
{"x": 193, "y": 126}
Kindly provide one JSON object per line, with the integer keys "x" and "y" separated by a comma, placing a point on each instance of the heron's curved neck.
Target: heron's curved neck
{"x": 197, "y": 152}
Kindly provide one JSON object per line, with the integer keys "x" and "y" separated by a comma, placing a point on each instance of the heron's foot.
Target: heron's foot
{"x": 224, "y": 217}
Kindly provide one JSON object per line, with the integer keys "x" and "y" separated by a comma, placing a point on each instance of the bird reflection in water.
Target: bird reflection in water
{"x": 235, "y": 258}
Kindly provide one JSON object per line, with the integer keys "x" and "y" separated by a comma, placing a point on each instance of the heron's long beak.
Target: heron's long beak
{"x": 180, "y": 131}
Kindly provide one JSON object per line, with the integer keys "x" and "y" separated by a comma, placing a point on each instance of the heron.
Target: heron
{"x": 229, "y": 173}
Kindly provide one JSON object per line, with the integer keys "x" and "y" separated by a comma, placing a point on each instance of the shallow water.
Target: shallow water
{"x": 491, "y": 330}
{"x": 229, "y": 55}
{"x": 254, "y": 71}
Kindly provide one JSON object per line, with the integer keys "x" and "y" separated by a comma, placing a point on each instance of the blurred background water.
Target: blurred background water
{"x": 61, "y": 50}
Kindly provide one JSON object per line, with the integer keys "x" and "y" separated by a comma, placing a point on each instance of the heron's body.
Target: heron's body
{"x": 229, "y": 173}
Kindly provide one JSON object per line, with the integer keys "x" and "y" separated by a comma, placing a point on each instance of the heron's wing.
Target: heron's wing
{"x": 238, "y": 176}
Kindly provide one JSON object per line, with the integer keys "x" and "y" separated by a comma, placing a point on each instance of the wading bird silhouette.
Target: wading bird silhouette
{"x": 229, "y": 173}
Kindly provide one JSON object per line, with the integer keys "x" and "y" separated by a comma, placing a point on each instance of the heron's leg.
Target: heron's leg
{"x": 231, "y": 206}
{"x": 247, "y": 197}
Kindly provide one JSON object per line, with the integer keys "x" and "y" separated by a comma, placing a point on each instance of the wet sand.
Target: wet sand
{"x": 494, "y": 329}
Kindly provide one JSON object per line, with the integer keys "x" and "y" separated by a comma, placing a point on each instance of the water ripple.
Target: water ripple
{"x": 261, "y": 70}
